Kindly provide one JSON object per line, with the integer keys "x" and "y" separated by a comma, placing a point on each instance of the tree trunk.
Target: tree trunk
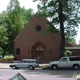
{"x": 61, "y": 20}
{"x": 62, "y": 43}
{"x": 4, "y": 51}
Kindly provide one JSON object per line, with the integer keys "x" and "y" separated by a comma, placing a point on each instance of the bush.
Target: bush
{"x": 8, "y": 58}
{"x": 68, "y": 53}
{"x": 45, "y": 67}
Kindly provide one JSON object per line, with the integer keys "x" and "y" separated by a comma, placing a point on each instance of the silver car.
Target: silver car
{"x": 31, "y": 64}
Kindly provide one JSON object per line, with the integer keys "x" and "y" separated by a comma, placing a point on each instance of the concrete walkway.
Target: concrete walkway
{"x": 4, "y": 65}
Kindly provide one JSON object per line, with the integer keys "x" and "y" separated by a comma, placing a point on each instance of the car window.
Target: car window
{"x": 74, "y": 58}
{"x": 30, "y": 61}
{"x": 22, "y": 62}
{"x": 63, "y": 60}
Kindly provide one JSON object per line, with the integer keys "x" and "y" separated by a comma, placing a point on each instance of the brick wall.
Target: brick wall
{"x": 29, "y": 38}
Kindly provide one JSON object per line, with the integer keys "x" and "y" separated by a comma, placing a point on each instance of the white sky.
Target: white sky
{"x": 28, "y": 4}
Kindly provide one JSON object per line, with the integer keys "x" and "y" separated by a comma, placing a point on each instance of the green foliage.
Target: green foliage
{"x": 3, "y": 38}
{"x": 1, "y": 51}
{"x": 8, "y": 58}
{"x": 14, "y": 18}
{"x": 70, "y": 14}
{"x": 26, "y": 15}
{"x": 63, "y": 15}
{"x": 12, "y": 22}
{"x": 45, "y": 67}
{"x": 68, "y": 53}
{"x": 75, "y": 75}
{"x": 70, "y": 39}
{"x": 3, "y": 15}
{"x": 3, "y": 35}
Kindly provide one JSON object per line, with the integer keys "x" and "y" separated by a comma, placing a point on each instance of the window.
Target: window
{"x": 18, "y": 51}
{"x": 74, "y": 58}
{"x": 39, "y": 48}
{"x": 63, "y": 60}
{"x": 30, "y": 62}
{"x": 38, "y": 28}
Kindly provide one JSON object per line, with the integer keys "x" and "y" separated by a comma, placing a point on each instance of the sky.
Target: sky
{"x": 28, "y": 4}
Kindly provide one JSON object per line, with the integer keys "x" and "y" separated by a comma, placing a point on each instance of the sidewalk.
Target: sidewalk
{"x": 4, "y": 65}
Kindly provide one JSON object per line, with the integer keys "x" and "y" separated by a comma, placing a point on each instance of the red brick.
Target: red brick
{"x": 30, "y": 38}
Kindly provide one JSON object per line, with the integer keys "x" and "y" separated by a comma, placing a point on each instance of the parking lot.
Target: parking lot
{"x": 37, "y": 74}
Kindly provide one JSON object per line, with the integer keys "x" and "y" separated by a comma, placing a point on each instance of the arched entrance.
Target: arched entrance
{"x": 38, "y": 51}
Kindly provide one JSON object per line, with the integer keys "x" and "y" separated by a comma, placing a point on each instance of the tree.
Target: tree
{"x": 63, "y": 15}
{"x": 3, "y": 39}
{"x": 70, "y": 39}
{"x": 1, "y": 51}
{"x": 14, "y": 17}
{"x": 26, "y": 15}
{"x": 14, "y": 21}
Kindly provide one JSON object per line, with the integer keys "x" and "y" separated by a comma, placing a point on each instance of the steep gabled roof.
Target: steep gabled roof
{"x": 32, "y": 19}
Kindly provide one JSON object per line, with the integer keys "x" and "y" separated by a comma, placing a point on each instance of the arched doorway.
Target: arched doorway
{"x": 38, "y": 51}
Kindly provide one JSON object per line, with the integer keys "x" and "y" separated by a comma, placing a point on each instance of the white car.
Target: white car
{"x": 66, "y": 62}
{"x": 31, "y": 64}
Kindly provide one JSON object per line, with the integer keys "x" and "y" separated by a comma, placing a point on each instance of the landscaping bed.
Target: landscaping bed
{"x": 7, "y": 59}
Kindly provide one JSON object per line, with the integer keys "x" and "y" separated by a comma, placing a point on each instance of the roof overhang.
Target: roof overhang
{"x": 72, "y": 47}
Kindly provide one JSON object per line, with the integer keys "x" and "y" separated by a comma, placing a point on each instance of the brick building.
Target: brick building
{"x": 33, "y": 43}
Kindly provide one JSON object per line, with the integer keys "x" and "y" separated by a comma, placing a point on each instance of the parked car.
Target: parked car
{"x": 66, "y": 62}
{"x": 31, "y": 64}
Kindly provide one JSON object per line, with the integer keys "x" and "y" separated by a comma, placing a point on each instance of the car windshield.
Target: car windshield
{"x": 63, "y": 60}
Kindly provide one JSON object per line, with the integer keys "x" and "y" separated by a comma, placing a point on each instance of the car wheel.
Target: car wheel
{"x": 76, "y": 67}
{"x": 14, "y": 67}
{"x": 54, "y": 67}
{"x": 31, "y": 68}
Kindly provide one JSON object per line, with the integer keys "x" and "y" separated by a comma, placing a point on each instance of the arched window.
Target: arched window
{"x": 39, "y": 48}
{"x": 38, "y": 28}
{"x": 18, "y": 51}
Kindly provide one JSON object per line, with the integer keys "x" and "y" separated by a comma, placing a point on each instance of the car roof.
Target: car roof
{"x": 28, "y": 59}
{"x": 74, "y": 56}
{"x": 71, "y": 56}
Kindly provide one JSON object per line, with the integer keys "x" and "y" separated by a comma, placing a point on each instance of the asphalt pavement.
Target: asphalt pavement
{"x": 36, "y": 74}
{"x": 7, "y": 74}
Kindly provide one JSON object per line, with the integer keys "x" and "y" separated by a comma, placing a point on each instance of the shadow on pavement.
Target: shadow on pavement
{"x": 61, "y": 73}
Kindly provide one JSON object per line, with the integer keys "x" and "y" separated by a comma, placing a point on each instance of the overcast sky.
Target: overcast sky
{"x": 28, "y": 4}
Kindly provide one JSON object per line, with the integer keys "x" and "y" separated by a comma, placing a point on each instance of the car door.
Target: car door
{"x": 63, "y": 62}
{"x": 19, "y": 65}
{"x": 24, "y": 64}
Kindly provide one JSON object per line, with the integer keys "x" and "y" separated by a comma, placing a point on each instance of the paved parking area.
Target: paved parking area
{"x": 6, "y": 74}
{"x": 37, "y": 74}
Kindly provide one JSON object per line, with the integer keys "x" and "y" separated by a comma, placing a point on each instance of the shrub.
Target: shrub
{"x": 8, "y": 58}
{"x": 68, "y": 53}
{"x": 45, "y": 67}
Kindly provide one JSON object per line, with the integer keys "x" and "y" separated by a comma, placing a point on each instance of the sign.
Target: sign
{"x": 18, "y": 77}
{"x": 76, "y": 76}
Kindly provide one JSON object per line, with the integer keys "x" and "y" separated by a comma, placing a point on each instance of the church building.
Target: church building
{"x": 34, "y": 44}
